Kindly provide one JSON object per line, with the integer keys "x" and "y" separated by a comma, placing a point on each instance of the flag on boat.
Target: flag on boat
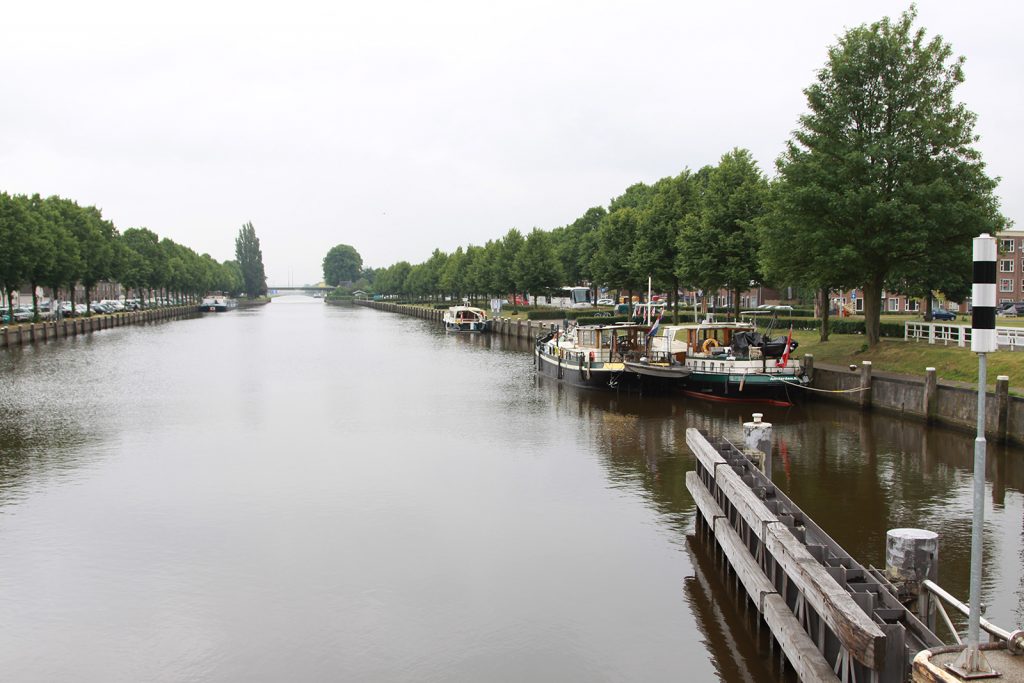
{"x": 785, "y": 354}
{"x": 654, "y": 328}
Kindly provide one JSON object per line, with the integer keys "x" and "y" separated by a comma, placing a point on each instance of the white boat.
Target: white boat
{"x": 217, "y": 303}
{"x": 466, "y": 319}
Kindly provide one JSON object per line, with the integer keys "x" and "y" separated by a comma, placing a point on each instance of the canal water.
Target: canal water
{"x": 311, "y": 493}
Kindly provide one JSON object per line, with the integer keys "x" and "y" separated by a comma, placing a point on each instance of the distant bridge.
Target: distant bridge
{"x": 308, "y": 290}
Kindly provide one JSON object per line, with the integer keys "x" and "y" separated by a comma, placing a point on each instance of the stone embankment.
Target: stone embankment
{"x": 17, "y": 335}
{"x": 927, "y": 398}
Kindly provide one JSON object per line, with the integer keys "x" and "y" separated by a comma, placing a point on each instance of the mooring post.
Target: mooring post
{"x": 1002, "y": 405}
{"x": 911, "y": 556}
{"x": 809, "y": 366}
{"x": 931, "y": 394}
{"x": 757, "y": 436}
{"x": 865, "y": 385}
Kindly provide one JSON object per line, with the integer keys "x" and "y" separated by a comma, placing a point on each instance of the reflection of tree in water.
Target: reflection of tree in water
{"x": 639, "y": 439}
{"x": 32, "y": 446}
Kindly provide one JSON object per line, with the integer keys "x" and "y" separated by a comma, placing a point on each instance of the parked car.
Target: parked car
{"x": 1010, "y": 309}
{"x": 942, "y": 314}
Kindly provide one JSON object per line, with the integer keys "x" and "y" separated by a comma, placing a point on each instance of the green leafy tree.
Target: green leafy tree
{"x": 615, "y": 238}
{"x": 817, "y": 265}
{"x": 15, "y": 239}
{"x": 250, "y": 259}
{"x": 95, "y": 237}
{"x": 656, "y": 248}
{"x": 718, "y": 246}
{"x": 505, "y": 277}
{"x": 882, "y": 167}
{"x": 453, "y": 275}
{"x": 342, "y": 264}
{"x": 536, "y": 266}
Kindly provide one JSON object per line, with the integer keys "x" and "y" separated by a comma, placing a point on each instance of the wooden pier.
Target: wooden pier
{"x": 833, "y": 619}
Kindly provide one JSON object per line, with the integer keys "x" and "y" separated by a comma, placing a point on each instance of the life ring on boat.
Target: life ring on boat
{"x": 709, "y": 344}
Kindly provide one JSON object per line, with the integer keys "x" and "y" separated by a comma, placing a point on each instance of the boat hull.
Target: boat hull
{"x": 577, "y": 372}
{"x": 744, "y": 387}
{"x": 213, "y": 308}
{"x": 473, "y": 326}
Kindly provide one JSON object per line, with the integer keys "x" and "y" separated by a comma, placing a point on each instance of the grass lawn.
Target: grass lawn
{"x": 911, "y": 358}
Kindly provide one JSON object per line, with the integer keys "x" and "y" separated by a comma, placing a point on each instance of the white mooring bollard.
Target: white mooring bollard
{"x": 757, "y": 435}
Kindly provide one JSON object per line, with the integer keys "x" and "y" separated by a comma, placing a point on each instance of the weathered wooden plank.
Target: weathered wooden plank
{"x": 851, "y": 625}
{"x": 803, "y": 656}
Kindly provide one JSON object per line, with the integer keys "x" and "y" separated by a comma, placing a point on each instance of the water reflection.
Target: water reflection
{"x": 408, "y": 504}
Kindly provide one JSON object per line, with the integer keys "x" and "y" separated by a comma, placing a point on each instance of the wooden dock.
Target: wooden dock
{"x": 832, "y": 618}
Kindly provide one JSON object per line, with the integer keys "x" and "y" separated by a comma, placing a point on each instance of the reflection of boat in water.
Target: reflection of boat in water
{"x": 593, "y": 355}
{"x": 466, "y": 319}
{"x": 217, "y": 303}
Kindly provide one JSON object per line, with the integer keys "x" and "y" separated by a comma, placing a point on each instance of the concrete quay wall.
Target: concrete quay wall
{"x": 22, "y": 334}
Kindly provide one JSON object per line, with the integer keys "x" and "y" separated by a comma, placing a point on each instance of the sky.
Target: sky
{"x": 401, "y": 127}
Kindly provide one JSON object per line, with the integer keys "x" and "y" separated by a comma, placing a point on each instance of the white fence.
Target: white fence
{"x": 1010, "y": 338}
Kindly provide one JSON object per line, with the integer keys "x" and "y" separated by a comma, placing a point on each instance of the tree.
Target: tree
{"x": 718, "y": 247}
{"x": 817, "y": 265}
{"x": 342, "y": 264}
{"x": 250, "y": 260}
{"x": 656, "y": 248}
{"x": 882, "y": 167}
{"x": 14, "y": 238}
{"x": 150, "y": 270}
{"x": 537, "y": 269}
{"x": 95, "y": 237}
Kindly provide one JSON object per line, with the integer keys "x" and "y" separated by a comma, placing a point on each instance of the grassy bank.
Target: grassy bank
{"x": 911, "y": 358}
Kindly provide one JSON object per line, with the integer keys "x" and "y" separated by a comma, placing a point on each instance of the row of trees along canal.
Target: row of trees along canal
{"x": 57, "y": 244}
{"x": 878, "y": 188}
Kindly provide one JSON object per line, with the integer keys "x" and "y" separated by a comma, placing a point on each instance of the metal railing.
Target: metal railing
{"x": 1010, "y": 338}
{"x": 1014, "y": 639}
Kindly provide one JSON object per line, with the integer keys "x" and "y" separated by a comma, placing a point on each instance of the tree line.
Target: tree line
{"x": 57, "y": 244}
{"x": 878, "y": 188}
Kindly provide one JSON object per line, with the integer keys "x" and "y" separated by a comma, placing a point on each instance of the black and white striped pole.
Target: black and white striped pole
{"x": 972, "y": 663}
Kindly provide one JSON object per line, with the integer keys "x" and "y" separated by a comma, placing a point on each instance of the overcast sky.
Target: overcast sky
{"x": 398, "y": 127}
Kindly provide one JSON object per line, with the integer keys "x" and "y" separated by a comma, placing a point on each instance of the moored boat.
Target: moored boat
{"x": 593, "y": 355}
{"x": 466, "y": 319}
{"x": 216, "y": 303}
{"x": 729, "y": 360}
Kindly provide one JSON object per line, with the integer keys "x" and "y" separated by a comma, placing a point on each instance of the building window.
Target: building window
{"x": 894, "y": 304}
{"x": 1006, "y": 245}
{"x": 914, "y": 305}
{"x": 1005, "y": 284}
{"x": 859, "y": 305}
{"x": 1006, "y": 265}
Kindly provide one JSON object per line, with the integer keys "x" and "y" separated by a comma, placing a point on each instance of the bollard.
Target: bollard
{"x": 911, "y": 556}
{"x": 931, "y": 394}
{"x": 809, "y": 366}
{"x": 865, "y": 385}
{"x": 1002, "y": 406}
{"x": 757, "y": 436}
